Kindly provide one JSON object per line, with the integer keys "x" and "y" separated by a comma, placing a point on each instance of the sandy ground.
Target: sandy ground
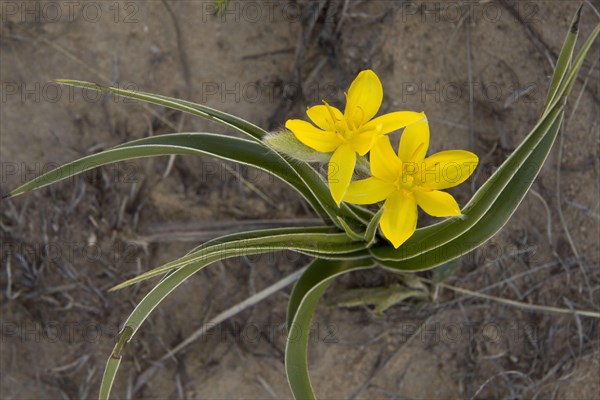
{"x": 479, "y": 70}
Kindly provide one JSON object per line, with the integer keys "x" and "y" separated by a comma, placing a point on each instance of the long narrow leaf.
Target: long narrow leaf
{"x": 564, "y": 59}
{"x": 219, "y": 146}
{"x": 433, "y": 236}
{"x": 496, "y": 217}
{"x": 303, "y": 302}
{"x": 436, "y": 235}
{"x": 196, "y": 109}
{"x": 318, "y": 241}
{"x": 318, "y": 276}
{"x": 507, "y": 201}
{"x": 301, "y": 176}
{"x": 363, "y": 253}
{"x": 243, "y": 151}
{"x": 176, "y": 277}
{"x": 501, "y": 205}
{"x": 110, "y": 373}
{"x": 312, "y": 180}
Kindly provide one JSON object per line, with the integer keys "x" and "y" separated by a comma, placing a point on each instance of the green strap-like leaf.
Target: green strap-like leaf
{"x": 173, "y": 280}
{"x": 303, "y": 302}
{"x": 196, "y": 109}
{"x": 433, "y": 236}
{"x": 223, "y": 248}
{"x": 363, "y": 253}
{"x": 564, "y": 58}
{"x": 501, "y": 205}
{"x": 349, "y": 231}
{"x": 319, "y": 241}
{"x": 249, "y": 153}
{"x": 113, "y": 363}
{"x": 313, "y": 181}
{"x": 371, "y": 232}
{"x": 496, "y": 217}
{"x": 219, "y": 146}
{"x": 436, "y": 235}
{"x": 318, "y": 276}
{"x": 108, "y": 378}
{"x": 299, "y": 175}
{"x": 254, "y": 234}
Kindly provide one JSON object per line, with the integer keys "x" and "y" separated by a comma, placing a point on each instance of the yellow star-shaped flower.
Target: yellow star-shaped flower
{"x": 409, "y": 179}
{"x": 349, "y": 133}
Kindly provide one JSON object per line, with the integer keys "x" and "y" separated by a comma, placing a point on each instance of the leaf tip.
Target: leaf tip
{"x": 115, "y": 288}
{"x": 64, "y": 81}
{"x": 575, "y": 24}
{"x": 122, "y": 285}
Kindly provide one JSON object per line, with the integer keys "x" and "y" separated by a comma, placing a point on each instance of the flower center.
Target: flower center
{"x": 342, "y": 131}
{"x": 405, "y": 181}
{"x": 357, "y": 114}
{"x": 344, "y": 127}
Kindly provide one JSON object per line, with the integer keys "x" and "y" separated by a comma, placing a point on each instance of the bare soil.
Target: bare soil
{"x": 479, "y": 70}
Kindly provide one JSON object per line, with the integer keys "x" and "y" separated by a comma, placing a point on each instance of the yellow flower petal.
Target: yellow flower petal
{"x": 323, "y": 141}
{"x": 322, "y": 117}
{"x": 385, "y": 165}
{"x": 368, "y": 191}
{"x": 414, "y": 142}
{"x": 393, "y": 121}
{"x": 363, "y": 99}
{"x": 340, "y": 170}
{"x": 437, "y": 203}
{"x": 447, "y": 168}
{"x": 399, "y": 219}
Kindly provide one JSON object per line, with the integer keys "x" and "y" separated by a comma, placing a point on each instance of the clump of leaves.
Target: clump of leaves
{"x": 349, "y": 240}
